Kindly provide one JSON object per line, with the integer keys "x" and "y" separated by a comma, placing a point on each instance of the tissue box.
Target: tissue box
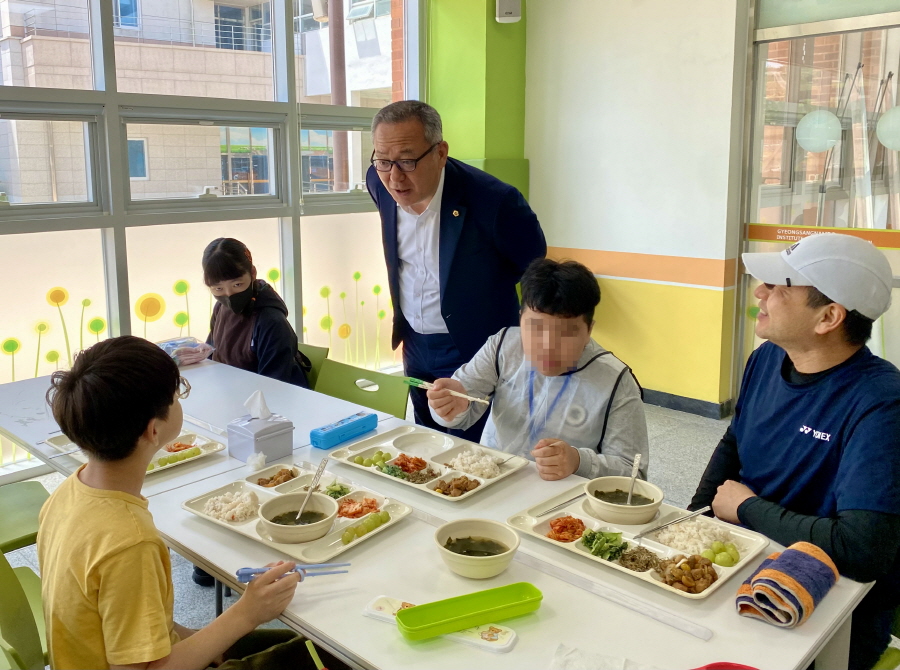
{"x": 272, "y": 437}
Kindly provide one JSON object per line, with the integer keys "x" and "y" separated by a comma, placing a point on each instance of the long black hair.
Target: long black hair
{"x": 224, "y": 259}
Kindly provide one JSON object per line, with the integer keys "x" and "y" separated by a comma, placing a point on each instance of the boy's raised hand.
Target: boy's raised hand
{"x": 269, "y": 593}
{"x": 447, "y": 406}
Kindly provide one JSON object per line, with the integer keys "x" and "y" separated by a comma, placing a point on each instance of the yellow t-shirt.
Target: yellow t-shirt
{"x": 106, "y": 579}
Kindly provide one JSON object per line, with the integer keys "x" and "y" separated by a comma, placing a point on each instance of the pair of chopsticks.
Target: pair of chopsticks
{"x": 418, "y": 383}
{"x": 245, "y": 575}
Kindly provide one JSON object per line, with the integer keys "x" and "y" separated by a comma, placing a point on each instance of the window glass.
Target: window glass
{"x": 334, "y": 160}
{"x": 43, "y": 161}
{"x": 818, "y": 160}
{"x": 58, "y": 306}
{"x": 182, "y": 161}
{"x": 196, "y": 47}
{"x": 370, "y": 74}
{"x": 45, "y": 44}
{"x": 346, "y": 299}
{"x": 126, "y": 14}
{"x": 137, "y": 159}
{"x": 165, "y": 277}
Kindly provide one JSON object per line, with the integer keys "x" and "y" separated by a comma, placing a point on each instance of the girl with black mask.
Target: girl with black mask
{"x": 249, "y": 326}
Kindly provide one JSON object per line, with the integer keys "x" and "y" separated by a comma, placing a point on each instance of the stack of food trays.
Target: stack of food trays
{"x": 185, "y": 448}
{"x": 747, "y": 543}
{"x": 450, "y": 468}
{"x": 353, "y": 501}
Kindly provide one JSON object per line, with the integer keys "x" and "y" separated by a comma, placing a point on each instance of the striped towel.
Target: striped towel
{"x": 788, "y": 585}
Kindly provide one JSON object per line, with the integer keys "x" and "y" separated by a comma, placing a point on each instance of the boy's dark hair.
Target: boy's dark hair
{"x": 566, "y": 289}
{"x": 857, "y": 328}
{"x": 113, "y": 390}
{"x": 225, "y": 258}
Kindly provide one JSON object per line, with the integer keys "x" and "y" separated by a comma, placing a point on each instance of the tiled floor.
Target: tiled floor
{"x": 680, "y": 447}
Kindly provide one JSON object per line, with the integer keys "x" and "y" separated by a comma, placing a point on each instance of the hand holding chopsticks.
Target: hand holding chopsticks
{"x": 246, "y": 575}
{"x": 412, "y": 381}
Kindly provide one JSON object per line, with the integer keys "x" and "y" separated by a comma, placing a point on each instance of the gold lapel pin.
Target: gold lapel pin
{"x": 455, "y": 212}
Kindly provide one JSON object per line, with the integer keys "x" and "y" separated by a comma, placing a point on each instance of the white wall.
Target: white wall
{"x": 635, "y": 107}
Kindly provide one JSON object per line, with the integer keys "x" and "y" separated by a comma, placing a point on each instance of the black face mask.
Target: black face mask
{"x": 238, "y": 302}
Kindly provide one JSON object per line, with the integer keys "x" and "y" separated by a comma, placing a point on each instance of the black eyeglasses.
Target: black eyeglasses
{"x": 404, "y": 164}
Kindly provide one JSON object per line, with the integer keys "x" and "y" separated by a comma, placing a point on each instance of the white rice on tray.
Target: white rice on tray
{"x": 475, "y": 463}
{"x": 237, "y": 507}
{"x": 694, "y": 535}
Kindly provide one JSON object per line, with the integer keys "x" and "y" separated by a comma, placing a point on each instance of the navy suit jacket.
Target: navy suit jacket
{"x": 488, "y": 236}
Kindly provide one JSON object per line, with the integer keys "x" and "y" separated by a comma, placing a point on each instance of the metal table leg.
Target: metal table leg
{"x": 218, "y": 597}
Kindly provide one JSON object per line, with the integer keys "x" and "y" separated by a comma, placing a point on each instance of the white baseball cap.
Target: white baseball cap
{"x": 847, "y": 269}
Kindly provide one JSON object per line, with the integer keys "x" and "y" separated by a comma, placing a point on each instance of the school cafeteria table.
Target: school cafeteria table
{"x": 217, "y": 397}
{"x": 403, "y": 561}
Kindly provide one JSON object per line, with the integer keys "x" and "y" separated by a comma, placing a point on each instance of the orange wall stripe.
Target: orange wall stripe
{"x": 650, "y": 267}
{"x": 769, "y": 232}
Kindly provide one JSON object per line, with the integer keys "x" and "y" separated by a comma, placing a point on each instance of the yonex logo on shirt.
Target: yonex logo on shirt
{"x": 819, "y": 435}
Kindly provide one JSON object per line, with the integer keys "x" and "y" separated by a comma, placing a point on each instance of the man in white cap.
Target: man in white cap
{"x": 813, "y": 450}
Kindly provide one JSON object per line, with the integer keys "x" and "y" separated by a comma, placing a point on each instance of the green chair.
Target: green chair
{"x": 316, "y": 356}
{"x": 384, "y": 393}
{"x": 20, "y": 504}
{"x": 20, "y": 639}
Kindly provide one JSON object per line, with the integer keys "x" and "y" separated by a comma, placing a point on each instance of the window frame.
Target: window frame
{"x": 106, "y": 111}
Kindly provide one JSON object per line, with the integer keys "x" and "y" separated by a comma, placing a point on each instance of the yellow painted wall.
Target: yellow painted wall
{"x": 677, "y": 339}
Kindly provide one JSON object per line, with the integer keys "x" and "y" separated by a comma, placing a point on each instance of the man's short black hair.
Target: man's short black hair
{"x": 560, "y": 288}
{"x": 113, "y": 390}
{"x": 857, "y": 328}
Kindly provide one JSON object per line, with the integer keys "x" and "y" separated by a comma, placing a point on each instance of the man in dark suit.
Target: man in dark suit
{"x": 456, "y": 242}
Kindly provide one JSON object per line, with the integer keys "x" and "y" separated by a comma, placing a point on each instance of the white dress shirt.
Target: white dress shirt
{"x": 418, "y": 246}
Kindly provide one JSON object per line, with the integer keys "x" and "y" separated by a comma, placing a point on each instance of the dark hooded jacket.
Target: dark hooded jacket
{"x": 260, "y": 339}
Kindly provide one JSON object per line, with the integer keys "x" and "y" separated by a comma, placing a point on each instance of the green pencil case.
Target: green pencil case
{"x": 475, "y": 609}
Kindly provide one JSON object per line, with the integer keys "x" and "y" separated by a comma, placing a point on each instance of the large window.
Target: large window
{"x": 825, "y": 141}
{"x": 111, "y": 195}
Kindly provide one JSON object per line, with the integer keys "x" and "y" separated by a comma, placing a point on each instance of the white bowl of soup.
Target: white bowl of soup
{"x": 476, "y": 548}
{"x": 607, "y": 496}
{"x": 278, "y": 517}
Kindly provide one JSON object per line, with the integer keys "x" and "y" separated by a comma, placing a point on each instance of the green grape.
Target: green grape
{"x": 724, "y": 559}
{"x": 195, "y": 451}
{"x": 368, "y": 462}
{"x": 384, "y": 516}
{"x": 359, "y": 460}
{"x": 372, "y": 522}
{"x": 163, "y": 461}
{"x": 150, "y": 467}
{"x": 348, "y": 536}
{"x": 361, "y": 530}
{"x": 733, "y": 552}
{"x": 377, "y": 454}
{"x": 709, "y": 553}
{"x": 717, "y": 547}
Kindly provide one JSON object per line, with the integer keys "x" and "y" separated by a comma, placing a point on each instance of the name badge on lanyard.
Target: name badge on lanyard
{"x": 535, "y": 427}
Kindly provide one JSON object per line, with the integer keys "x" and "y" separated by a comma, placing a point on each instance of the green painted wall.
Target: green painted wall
{"x": 476, "y": 80}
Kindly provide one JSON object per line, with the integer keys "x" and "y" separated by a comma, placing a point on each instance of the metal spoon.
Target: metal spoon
{"x": 634, "y": 474}
{"x": 313, "y": 485}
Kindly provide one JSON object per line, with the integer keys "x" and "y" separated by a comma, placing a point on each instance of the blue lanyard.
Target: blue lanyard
{"x": 535, "y": 429}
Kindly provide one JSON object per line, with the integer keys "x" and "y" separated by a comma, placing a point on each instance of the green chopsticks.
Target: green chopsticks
{"x": 412, "y": 381}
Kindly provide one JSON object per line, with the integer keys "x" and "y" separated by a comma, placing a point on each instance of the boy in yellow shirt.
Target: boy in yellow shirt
{"x": 107, "y": 580}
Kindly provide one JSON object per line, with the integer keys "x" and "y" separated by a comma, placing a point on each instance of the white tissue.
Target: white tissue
{"x": 571, "y": 658}
{"x": 257, "y": 461}
{"x": 256, "y": 405}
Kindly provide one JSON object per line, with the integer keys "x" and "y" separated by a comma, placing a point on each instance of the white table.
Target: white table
{"x": 217, "y": 397}
{"x": 403, "y": 561}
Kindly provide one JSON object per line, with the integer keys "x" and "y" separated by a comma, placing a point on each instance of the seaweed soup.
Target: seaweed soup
{"x": 475, "y": 546}
{"x": 290, "y": 518}
{"x": 620, "y": 497}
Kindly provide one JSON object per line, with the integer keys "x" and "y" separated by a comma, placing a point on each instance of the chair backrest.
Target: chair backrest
{"x": 384, "y": 393}
{"x": 316, "y": 356}
{"x": 19, "y": 637}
